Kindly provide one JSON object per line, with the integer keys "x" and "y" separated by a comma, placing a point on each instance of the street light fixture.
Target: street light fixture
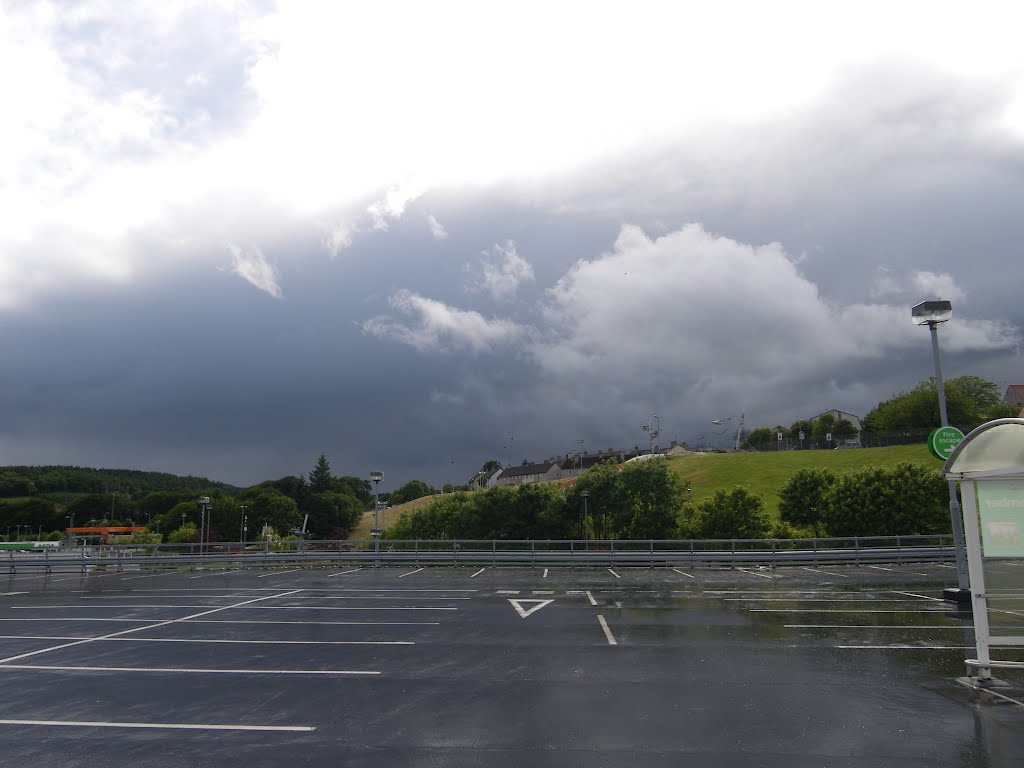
{"x": 931, "y": 313}
{"x": 376, "y": 477}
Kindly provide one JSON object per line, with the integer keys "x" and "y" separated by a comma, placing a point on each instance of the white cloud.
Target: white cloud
{"x": 936, "y": 286}
{"x": 252, "y": 266}
{"x": 500, "y": 272}
{"x": 436, "y": 228}
{"x": 446, "y": 398}
{"x": 437, "y": 327}
{"x": 708, "y": 317}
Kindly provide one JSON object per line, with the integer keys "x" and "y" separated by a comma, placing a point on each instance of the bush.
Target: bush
{"x": 905, "y": 500}
{"x": 737, "y": 514}
{"x": 804, "y": 498}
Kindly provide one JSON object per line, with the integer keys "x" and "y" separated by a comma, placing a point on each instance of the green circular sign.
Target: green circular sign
{"x": 943, "y": 441}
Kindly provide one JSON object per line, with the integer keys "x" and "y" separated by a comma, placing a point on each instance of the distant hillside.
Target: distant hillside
{"x": 763, "y": 473}
{"x": 48, "y": 481}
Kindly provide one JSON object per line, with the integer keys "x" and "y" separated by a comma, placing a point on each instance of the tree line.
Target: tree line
{"x": 45, "y": 500}
{"x": 970, "y": 402}
{"x": 646, "y": 500}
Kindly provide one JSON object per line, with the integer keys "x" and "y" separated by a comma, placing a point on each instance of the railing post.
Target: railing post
{"x": 572, "y": 554}
{"x": 652, "y": 553}
{"x": 494, "y": 553}
{"x": 533, "y": 553}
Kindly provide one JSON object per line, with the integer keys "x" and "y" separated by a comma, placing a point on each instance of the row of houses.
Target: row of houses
{"x": 575, "y": 464}
{"x": 561, "y": 467}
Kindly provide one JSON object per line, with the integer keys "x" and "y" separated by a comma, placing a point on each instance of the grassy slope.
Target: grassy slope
{"x": 387, "y": 517}
{"x": 764, "y": 473}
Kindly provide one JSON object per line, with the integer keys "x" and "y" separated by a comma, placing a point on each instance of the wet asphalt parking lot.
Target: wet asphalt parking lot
{"x": 822, "y": 666}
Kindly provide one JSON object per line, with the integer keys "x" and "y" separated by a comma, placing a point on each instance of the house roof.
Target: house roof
{"x": 529, "y": 469}
{"x": 1016, "y": 389}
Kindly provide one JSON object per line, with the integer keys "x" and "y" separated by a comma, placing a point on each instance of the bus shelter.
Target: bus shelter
{"x": 989, "y": 464}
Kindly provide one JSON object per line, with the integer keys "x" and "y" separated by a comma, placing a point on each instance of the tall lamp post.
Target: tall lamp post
{"x": 653, "y": 429}
{"x": 376, "y": 477}
{"x": 931, "y": 313}
{"x": 586, "y": 516}
{"x": 243, "y": 528}
{"x": 204, "y": 509}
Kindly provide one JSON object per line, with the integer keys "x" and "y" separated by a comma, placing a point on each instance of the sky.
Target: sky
{"x": 417, "y": 236}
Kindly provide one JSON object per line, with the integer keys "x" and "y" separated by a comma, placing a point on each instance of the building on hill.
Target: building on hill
{"x": 1014, "y": 395}
{"x": 839, "y": 416}
{"x": 484, "y": 479}
{"x": 529, "y": 473}
{"x": 575, "y": 464}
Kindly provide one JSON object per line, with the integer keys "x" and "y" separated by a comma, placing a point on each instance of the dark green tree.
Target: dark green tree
{"x": 320, "y": 479}
{"x": 414, "y": 489}
{"x": 803, "y": 499}
{"x": 760, "y": 437}
{"x": 735, "y": 514}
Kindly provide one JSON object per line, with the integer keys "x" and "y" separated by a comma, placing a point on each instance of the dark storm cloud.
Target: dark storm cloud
{"x": 764, "y": 267}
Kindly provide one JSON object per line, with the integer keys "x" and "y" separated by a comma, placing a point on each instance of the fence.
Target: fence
{"x": 691, "y": 553}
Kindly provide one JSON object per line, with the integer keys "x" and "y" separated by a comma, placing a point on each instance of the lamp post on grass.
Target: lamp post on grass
{"x": 376, "y": 477}
{"x": 586, "y": 518}
{"x": 931, "y": 313}
{"x": 204, "y": 511}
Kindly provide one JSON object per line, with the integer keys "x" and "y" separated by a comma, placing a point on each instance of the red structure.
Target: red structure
{"x": 104, "y": 531}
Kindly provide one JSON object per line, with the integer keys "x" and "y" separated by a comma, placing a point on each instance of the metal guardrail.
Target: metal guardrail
{"x": 528, "y": 553}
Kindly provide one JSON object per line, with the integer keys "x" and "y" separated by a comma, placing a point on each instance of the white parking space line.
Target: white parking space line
{"x": 383, "y": 589}
{"x": 478, "y": 573}
{"x": 906, "y": 647}
{"x": 164, "y": 726}
{"x": 827, "y": 573}
{"x": 873, "y": 601}
{"x": 410, "y": 573}
{"x": 545, "y": 573}
{"x": 201, "y": 640}
{"x": 223, "y": 572}
{"x": 278, "y": 573}
{"x": 895, "y": 570}
{"x": 342, "y": 573}
{"x": 923, "y": 597}
{"x": 590, "y": 597}
{"x": 188, "y": 670}
{"x": 149, "y": 625}
{"x": 319, "y": 623}
{"x": 613, "y": 573}
{"x": 607, "y": 632}
{"x": 873, "y": 626}
{"x": 147, "y": 576}
{"x": 684, "y": 573}
{"x": 838, "y": 610}
{"x": 373, "y": 597}
{"x": 755, "y": 573}
{"x": 81, "y": 618}
{"x": 251, "y": 607}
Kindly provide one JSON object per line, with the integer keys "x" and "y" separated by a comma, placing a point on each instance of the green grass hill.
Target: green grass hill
{"x": 762, "y": 473}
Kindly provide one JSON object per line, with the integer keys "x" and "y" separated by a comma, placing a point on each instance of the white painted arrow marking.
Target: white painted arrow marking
{"x": 524, "y": 612}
